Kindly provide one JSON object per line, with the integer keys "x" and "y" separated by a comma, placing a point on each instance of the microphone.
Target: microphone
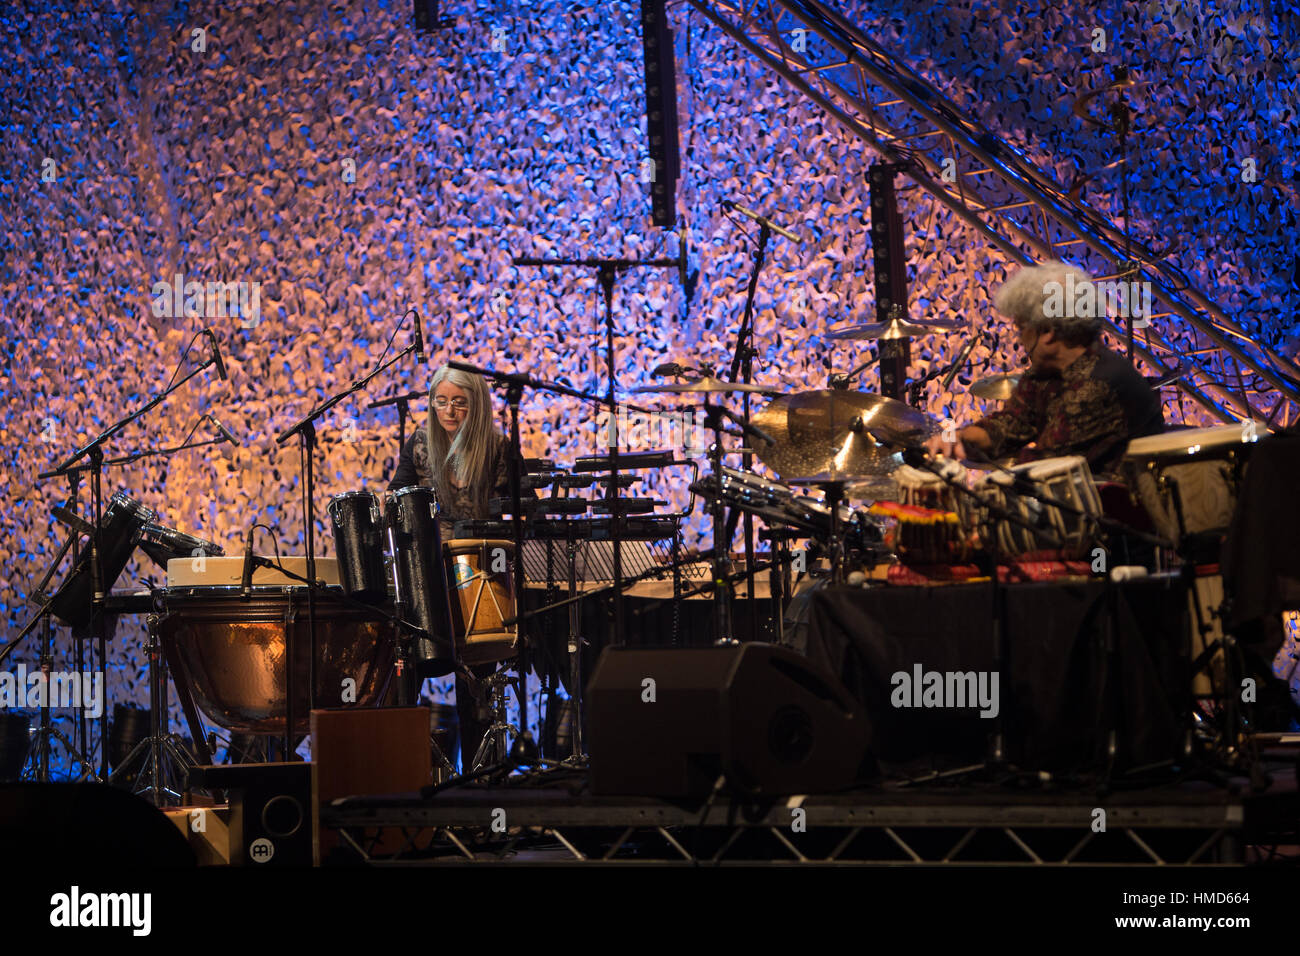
{"x": 246, "y": 578}
{"x": 419, "y": 337}
{"x": 960, "y": 360}
{"x": 216, "y": 354}
{"x": 225, "y": 432}
{"x": 761, "y": 220}
{"x": 669, "y": 368}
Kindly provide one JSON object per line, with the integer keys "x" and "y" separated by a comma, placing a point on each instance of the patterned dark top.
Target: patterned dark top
{"x": 1093, "y": 408}
{"x": 413, "y": 468}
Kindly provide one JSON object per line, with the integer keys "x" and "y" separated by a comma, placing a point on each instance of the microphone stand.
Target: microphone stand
{"x": 524, "y": 750}
{"x": 94, "y": 452}
{"x": 403, "y": 403}
{"x": 305, "y": 428}
{"x": 608, "y": 269}
{"x": 742, "y": 364}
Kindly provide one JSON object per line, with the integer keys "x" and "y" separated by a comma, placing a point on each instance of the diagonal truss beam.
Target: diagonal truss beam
{"x": 1004, "y": 197}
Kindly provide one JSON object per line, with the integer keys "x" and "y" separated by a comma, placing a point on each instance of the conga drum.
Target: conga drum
{"x": 482, "y": 598}
{"x": 359, "y": 543}
{"x": 411, "y": 519}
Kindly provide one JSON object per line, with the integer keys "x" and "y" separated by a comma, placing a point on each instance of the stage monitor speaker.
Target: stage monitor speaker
{"x": 660, "y": 111}
{"x": 86, "y": 825}
{"x": 668, "y": 722}
{"x": 270, "y": 811}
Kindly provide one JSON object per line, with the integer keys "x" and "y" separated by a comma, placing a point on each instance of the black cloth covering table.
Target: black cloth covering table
{"x": 1054, "y": 691}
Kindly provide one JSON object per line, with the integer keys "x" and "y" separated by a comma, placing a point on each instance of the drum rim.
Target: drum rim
{"x": 479, "y": 543}
{"x": 1173, "y": 444}
{"x": 234, "y": 590}
{"x": 409, "y": 489}
{"x": 133, "y": 505}
{"x": 354, "y": 494}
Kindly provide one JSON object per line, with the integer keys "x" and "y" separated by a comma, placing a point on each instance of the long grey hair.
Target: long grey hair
{"x": 468, "y": 457}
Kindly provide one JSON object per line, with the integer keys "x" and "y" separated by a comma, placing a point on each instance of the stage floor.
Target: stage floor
{"x": 968, "y": 823}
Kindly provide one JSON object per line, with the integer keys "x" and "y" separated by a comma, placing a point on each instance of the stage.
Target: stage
{"x": 958, "y": 825}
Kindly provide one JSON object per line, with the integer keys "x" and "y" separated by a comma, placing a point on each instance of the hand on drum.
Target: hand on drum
{"x": 939, "y": 445}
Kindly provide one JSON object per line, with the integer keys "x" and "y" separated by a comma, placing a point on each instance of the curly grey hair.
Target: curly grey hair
{"x": 1041, "y": 297}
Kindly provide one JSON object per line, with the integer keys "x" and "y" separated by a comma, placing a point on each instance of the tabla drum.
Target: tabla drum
{"x": 1187, "y": 480}
{"x": 231, "y": 652}
{"x": 359, "y": 542}
{"x": 411, "y": 522}
{"x": 933, "y": 531}
{"x": 483, "y": 597}
{"x": 1063, "y": 520}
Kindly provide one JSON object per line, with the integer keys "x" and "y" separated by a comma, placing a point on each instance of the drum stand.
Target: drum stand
{"x": 495, "y": 746}
{"x": 159, "y": 746}
{"x": 40, "y": 753}
{"x": 578, "y": 754}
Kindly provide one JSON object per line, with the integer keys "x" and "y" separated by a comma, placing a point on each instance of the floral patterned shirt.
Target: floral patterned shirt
{"x": 1093, "y": 408}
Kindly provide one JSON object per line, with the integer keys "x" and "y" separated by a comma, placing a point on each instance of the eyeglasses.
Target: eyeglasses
{"x": 456, "y": 404}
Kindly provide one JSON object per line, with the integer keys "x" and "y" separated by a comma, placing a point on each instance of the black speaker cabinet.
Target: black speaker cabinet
{"x": 667, "y": 722}
{"x": 270, "y": 811}
{"x": 85, "y": 825}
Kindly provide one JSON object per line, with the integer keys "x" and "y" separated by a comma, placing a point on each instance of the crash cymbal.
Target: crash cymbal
{"x": 706, "y": 384}
{"x": 812, "y": 433}
{"x": 996, "y": 387}
{"x": 895, "y": 328}
{"x": 826, "y": 477}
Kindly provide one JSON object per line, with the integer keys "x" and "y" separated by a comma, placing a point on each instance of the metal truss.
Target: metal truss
{"x": 658, "y": 834}
{"x": 995, "y": 189}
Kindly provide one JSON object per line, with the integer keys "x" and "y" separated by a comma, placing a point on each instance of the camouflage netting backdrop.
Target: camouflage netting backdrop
{"x": 352, "y": 167}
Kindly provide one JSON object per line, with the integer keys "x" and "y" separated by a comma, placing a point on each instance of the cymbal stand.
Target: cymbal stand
{"x": 742, "y": 365}
{"x": 721, "y": 563}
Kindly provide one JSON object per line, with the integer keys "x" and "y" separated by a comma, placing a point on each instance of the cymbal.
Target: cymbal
{"x": 706, "y": 384}
{"x": 826, "y": 477}
{"x": 996, "y": 387}
{"x": 812, "y": 434}
{"x": 895, "y": 328}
